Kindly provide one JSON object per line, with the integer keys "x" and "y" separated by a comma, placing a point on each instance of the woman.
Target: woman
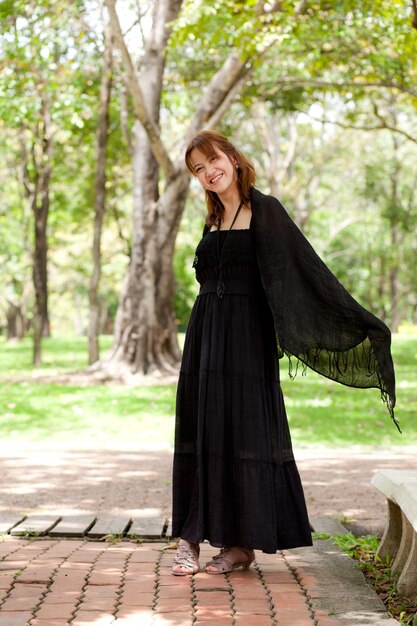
{"x": 264, "y": 292}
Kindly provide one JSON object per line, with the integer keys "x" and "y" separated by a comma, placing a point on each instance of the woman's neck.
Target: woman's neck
{"x": 230, "y": 202}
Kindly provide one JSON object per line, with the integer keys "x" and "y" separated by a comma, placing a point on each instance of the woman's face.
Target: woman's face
{"x": 216, "y": 172}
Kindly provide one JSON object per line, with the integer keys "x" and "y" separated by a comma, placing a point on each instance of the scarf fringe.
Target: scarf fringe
{"x": 356, "y": 368}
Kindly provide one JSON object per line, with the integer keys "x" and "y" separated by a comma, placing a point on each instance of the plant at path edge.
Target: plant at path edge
{"x": 379, "y": 575}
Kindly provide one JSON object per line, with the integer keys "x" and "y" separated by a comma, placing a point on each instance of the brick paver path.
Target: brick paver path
{"x": 89, "y": 583}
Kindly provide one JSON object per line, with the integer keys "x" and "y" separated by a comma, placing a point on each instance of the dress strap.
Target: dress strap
{"x": 220, "y": 282}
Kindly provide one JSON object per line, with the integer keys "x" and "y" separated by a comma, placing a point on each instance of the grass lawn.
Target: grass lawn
{"x": 320, "y": 411}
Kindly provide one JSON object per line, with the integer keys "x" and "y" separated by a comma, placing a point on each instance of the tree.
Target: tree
{"x": 145, "y": 333}
{"x": 100, "y": 206}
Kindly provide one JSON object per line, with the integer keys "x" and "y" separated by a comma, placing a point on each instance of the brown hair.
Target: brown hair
{"x": 207, "y": 141}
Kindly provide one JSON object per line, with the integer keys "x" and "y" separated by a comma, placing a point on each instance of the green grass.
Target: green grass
{"x": 59, "y": 354}
{"x": 378, "y": 574}
{"x": 320, "y": 411}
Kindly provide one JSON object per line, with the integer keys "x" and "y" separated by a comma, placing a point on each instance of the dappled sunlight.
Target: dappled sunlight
{"x": 317, "y": 402}
{"x": 75, "y": 482}
{"x": 337, "y": 482}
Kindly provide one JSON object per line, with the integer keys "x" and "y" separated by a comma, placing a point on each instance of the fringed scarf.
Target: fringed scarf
{"x": 316, "y": 320}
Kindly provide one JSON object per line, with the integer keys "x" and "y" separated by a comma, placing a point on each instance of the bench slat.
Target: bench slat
{"x": 73, "y": 525}
{"x": 110, "y": 525}
{"x": 9, "y": 520}
{"x": 36, "y": 524}
{"x": 148, "y": 527}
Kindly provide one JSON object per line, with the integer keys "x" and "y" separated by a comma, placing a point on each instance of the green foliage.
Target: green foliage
{"x": 333, "y": 57}
{"x": 320, "y": 412}
{"x": 378, "y": 574}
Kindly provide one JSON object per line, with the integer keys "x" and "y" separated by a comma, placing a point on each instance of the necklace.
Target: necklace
{"x": 220, "y": 283}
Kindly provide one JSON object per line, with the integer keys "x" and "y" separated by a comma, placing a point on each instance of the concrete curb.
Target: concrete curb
{"x": 342, "y": 590}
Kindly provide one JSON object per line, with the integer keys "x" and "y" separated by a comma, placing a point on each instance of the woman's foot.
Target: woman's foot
{"x": 229, "y": 559}
{"x": 186, "y": 558}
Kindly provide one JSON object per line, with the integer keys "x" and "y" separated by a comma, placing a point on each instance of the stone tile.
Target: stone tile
{"x": 253, "y": 620}
{"x": 294, "y": 617}
{"x": 213, "y": 612}
{"x": 72, "y": 566}
{"x": 49, "y": 622}
{"x": 166, "y": 605}
{"x": 63, "y": 597}
{"x": 213, "y": 598}
{"x": 215, "y": 622}
{"x": 177, "y": 618}
{"x": 55, "y": 611}
{"x": 175, "y": 580}
{"x": 28, "y": 591}
{"x": 10, "y": 618}
{"x": 253, "y": 605}
{"x": 6, "y": 580}
{"x": 284, "y": 587}
{"x": 105, "y": 578}
{"x": 142, "y": 586}
{"x": 208, "y": 581}
{"x": 97, "y": 591}
{"x": 324, "y": 619}
{"x": 12, "y": 565}
{"x": 20, "y": 604}
{"x": 106, "y": 605}
{"x": 169, "y": 591}
{"x": 132, "y": 599}
{"x": 92, "y": 619}
{"x": 133, "y": 617}
{"x": 290, "y": 600}
{"x": 279, "y": 577}
{"x": 244, "y": 593}
{"x": 147, "y": 556}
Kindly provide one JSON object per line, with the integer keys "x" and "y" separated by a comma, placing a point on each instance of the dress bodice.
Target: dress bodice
{"x": 239, "y": 256}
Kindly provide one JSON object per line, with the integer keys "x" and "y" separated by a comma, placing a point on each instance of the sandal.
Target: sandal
{"x": 186, "y": 559}
{"x": 222, "y": 565}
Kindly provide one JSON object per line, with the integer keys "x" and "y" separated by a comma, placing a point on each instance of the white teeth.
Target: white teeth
{"x": 215, "y": 179}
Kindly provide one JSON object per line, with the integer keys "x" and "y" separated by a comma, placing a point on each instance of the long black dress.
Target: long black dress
{"x": 235, "y": 481}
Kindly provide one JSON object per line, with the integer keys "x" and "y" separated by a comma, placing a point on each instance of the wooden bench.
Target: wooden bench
{"x": 400, "y": 537}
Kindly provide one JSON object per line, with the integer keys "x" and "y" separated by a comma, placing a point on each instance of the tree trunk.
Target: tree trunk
{"x": 145, "y": 331}
{"x": 16, "y": 321}
{"x": 394, "y": 281}
{"x": 145, "y": 337}
{"x": 40, "y": 208}
{"x": 100, "y": 206}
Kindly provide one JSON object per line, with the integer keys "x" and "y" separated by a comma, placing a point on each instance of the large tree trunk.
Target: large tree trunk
{"x": 394, "y": 281}
{"x": 40, "y": 208}
{"x": 100, "y": 205}
{"x": 16, "y": 321}
{"x": 145, "y": 331}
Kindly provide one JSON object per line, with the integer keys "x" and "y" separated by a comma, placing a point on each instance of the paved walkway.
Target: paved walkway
{"x": 89, "y": 583}
{"x": 57, "y": 582}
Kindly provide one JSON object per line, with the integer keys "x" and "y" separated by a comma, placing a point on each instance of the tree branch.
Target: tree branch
{"x": 141, "y": 112}
{"x": 382, "y": 126}
{"x": 294, "y": 82}
{"x": 226, "y": 82}
{"x": 414, "y": 7}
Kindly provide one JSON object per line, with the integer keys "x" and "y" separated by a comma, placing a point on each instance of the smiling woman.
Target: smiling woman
{"x": 264, "y": 292}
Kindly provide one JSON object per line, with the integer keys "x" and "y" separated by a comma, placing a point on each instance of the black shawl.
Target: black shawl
{"x": 316, "y": 320}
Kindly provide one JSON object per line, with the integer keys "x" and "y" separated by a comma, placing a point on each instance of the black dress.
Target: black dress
{"x": 235, "y": 481}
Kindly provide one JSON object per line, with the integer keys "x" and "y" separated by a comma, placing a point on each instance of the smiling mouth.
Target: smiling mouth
{"x": 214, "y": 180}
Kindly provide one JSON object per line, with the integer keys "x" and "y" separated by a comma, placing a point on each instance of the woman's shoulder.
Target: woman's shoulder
{"x": 261, "y": 201}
